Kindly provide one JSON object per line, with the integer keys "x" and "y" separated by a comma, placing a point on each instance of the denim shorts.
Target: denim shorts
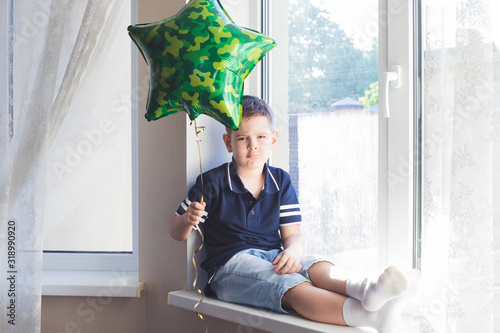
{"x": 249, "y": 278}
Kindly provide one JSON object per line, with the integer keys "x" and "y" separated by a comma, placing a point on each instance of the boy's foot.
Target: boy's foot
{"x": 374, "y": 293}
{"x": 385, "y": 320}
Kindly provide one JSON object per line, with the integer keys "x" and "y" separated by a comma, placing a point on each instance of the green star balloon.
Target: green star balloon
{"x": 198, "y": 61}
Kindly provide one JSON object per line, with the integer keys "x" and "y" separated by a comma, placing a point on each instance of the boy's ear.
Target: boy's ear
{"x": 274, "y": 137}
{"x": 227, "y": 142}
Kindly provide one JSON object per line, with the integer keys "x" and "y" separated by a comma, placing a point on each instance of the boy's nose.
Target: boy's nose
{"x": 252, "y": 145}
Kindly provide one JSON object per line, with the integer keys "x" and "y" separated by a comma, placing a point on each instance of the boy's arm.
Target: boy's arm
{"x": 289, "y": 261}
{"x": 181, "y": 226}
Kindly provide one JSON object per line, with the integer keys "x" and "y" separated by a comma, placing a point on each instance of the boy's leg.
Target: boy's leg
{"x": 328, "y": 307}
{"x": 325, "y": 275}
{"x": 315, "y": 303}
{"x": 373, "y": 293}
{"x": 249, "y": 278}
{"x": 385, "y": 320}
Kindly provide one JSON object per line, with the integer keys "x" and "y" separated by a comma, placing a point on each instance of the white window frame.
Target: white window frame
{"x": 397, "y": 198}
{"x": 88, "y": 274}
{"x": 396, "y": 141}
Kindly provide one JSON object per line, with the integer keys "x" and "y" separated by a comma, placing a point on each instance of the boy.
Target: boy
{"x": 251, "y": 222}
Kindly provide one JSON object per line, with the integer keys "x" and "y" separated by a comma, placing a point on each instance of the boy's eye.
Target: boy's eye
{"x": 242, "y": 139}
{"x": 262, "y": 136}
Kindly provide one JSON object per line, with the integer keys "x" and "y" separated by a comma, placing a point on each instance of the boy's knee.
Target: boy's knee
{"x": 321, "y": 267}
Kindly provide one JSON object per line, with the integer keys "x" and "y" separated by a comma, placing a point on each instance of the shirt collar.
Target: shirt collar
{"x": 236, "y": 185}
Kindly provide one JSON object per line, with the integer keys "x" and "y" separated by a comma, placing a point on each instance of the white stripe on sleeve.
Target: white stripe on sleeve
{"x": 287, "y": 207}
{"x": 290, "y": 214}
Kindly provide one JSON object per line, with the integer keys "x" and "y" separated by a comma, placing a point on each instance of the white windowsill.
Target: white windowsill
{"x": 254, "y": 317}
{"x": 91, "y": 283}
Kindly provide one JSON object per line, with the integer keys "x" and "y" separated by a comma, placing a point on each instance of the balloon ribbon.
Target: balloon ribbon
{"x": 198, "y": 130}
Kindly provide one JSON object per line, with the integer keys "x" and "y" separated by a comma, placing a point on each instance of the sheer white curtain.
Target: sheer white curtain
{"x": 460, "y": 166}
{"x": 54, "y": 44}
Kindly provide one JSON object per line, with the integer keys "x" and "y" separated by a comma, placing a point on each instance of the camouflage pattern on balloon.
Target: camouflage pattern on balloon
{"x": 198, "y": 61}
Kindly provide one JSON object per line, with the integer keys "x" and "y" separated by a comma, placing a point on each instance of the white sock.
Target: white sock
{"x": 385, "y": 320}
{"x": 374, "y": 293}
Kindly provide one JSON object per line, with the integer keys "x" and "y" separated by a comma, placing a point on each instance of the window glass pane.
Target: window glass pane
{"x": 89, "y": 177}
{"x": 333, "y": 126}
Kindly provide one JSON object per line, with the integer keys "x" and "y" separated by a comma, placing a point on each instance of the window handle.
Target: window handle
{"x": 394, "y": 78}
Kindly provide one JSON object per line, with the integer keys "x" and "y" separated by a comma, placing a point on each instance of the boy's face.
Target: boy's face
{"x": 252, "y": 143}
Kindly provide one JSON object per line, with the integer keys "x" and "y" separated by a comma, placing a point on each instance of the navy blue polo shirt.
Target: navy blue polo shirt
{"x": 235, "y": 220}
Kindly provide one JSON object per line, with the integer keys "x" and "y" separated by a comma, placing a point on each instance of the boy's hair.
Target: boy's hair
{"x": 254, "y": 106}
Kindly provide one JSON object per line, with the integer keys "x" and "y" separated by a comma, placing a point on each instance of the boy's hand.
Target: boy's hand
{"x": 194, "y": 213}
{"x": 287, "y": 263}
